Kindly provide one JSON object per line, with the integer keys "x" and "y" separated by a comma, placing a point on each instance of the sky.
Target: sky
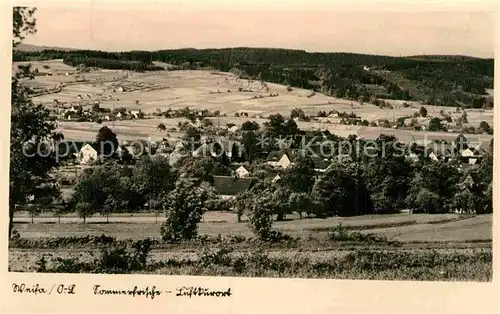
{"x": 389, "y": 27}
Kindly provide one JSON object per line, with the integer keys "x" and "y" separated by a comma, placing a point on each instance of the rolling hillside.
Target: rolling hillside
{"x": 435, "y": 80}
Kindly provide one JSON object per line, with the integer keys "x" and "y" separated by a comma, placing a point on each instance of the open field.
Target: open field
{"x": 403, "y": 227}
{"x": 215, "y": 91}
{"x": 433, "y": 247}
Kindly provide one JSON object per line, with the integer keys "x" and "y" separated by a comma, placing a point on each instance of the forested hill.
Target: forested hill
{"x": 436, "y": 80}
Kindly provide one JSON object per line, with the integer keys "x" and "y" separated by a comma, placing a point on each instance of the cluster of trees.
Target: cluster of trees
{"x": 137, "y": 66}
{"x": 362, "y": 185}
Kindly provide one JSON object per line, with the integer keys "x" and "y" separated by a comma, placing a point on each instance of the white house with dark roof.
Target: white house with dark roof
{"x": 88, "y": 153}
{"x": 277, "y": 159}
{"x": 242, "y": 172}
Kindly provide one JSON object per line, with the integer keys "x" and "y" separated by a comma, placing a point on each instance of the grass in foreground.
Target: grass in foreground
{"x": 362, "y": 257}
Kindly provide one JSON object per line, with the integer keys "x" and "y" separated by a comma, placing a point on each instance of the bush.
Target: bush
{"x": 184, "y": 208}
{"x": 123, "y": 259}
{"x": 219, "y": 256}
{"x": 260, "y": 216}
{"x": 340, "y": 233}
{"x": 118, "y": 259}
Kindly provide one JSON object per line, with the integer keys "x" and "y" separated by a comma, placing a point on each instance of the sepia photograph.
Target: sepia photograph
{"x": 325, "y": 140}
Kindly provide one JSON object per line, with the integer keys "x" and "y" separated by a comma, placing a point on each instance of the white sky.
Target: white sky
{"x": 393, "y": 28}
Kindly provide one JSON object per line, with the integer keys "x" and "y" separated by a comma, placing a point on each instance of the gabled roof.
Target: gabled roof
{"x": 235, "y": 166}
{"x": 474, "y": 150}
{"x": 470, "y": 175}
{"x": 226, "y": 185}
{"x": 441, "y": 148}
{"x": 204, "y": 150}
{"x": 276, "y": 155}
{"x": 65, "y": 148}
{"x": 94, "y": 145}
{"x": 242, "y": 167}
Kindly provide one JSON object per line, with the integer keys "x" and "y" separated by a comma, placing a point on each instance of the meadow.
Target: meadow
{"x": 426, "y": 247}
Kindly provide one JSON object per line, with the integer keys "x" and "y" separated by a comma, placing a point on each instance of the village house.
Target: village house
{"x": 68, "y": 150}
{"x": 276, "y": 178}
{"x": 471, "y": 155}
{"x": 136, "y": 113}
{"x": 179, "y": 145}
{"x": 433, "y": 156}
{"x": 440, "y": 151}
{"x": 88, "y": 153}
{"x": 69, "y": 115}
{"x": 228, "y": 187}
{"x": 242, "y": 172}
{"x": 469, "y": 182}
{"x": 279, "y": 159}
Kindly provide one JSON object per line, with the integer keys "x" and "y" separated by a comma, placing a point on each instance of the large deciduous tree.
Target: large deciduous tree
{"x": 433, "y": 188}
{"x": 106, "y": 188}
{"x": 342, "y": 192}
{"x": 107, "y": 141}
{"x": 31, "y": 126}
{"x": 301, "y": 176}
{"x": 153, "y": 177}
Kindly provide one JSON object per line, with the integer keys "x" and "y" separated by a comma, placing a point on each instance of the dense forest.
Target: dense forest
{"x": 436, "y": 80}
